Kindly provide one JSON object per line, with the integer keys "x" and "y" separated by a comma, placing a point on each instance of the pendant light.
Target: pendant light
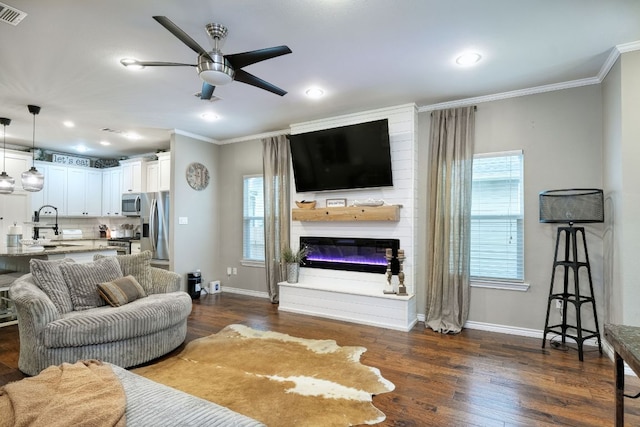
{"x": 32, "y": 180}
{"x": 7, "y": 184}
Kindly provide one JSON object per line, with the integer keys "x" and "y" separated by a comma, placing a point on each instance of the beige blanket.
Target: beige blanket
{"x": 86, "y": 393}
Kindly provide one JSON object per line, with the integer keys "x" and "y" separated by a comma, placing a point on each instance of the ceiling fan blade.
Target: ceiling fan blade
{"x": 250, "y": 79}
{"x": 207, "y": 91}
{"x": 239, "y": 60}
{"x": 184, "y": 37}
{"x": 162, "y": 64}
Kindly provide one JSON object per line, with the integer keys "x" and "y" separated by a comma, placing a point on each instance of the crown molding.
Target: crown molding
{"x": 512, "y": 94}
{"x": 256, "y": 136}
{"x": 195, "y": 136}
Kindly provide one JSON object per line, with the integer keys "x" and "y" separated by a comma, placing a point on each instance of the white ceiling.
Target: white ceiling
{"x": 366, "y": 54}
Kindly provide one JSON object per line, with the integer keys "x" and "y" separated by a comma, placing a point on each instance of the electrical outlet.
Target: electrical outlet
{"x": 228, "y": 271}
{"x": 235, "y": 271}
{"x": 559, "y": 304}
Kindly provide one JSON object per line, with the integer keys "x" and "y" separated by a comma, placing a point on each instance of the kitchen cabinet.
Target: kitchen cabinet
{"x": 158, "y": 173}
{"x": 84, "y": 192}
{"x": 14, "y": 208}
{"x": 153, "y": 178}
{"x": 164, "y": 171}
{"x": 16, "y": 163}
{"x": 133, "y": 180}
{"x": 135, "y": 248}
{"x": 111, "y": 192}
{"x": 54, "y": 191}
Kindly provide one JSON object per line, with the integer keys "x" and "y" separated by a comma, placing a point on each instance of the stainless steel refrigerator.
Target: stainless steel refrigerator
{"x": 154, "y": 218}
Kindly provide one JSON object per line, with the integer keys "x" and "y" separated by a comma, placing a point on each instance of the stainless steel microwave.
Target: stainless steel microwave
{"x": 131, "y": 204}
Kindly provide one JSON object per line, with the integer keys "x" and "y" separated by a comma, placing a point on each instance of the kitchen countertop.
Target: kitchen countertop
{"x": 63, "y": 248}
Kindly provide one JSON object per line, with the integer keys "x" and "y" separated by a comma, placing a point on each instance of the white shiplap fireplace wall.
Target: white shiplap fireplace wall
{"x": 356, "y": 296}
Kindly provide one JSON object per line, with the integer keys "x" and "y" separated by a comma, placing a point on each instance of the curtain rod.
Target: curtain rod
{"x": 475, "y": 108}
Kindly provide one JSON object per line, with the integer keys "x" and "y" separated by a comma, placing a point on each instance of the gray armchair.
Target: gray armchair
{"x": 126, "y": 336}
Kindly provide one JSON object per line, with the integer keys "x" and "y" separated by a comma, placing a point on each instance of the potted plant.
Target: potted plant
{"x": 293, "y": 259}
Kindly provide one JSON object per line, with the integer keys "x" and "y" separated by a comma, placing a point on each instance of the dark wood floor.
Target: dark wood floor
{"x": 475, "y": 378}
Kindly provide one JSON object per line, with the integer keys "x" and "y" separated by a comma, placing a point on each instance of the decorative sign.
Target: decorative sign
{"x": 63, "y": 159}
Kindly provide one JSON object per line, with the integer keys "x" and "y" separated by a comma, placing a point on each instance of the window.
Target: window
{"x": 253, "y": 219}
{"x": 497, "y": 217}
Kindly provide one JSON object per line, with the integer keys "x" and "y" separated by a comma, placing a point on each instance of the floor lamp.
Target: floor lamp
{"x": 573, "y": 206}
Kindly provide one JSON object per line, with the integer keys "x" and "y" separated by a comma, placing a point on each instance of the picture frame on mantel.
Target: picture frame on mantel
{"x": 336, "y": 203}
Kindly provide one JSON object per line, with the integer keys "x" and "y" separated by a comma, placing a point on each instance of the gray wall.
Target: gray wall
{"x": 196, "y": 245}
{"x": 561, "y": 135}
{"x": 622, "y": 151}
{"x": 237, "y": 160}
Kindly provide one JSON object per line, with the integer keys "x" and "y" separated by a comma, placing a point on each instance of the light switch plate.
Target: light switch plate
{"x": 183, "y": 220}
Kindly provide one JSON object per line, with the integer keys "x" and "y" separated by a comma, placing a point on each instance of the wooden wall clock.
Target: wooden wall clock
{"x": 197, "y": 176}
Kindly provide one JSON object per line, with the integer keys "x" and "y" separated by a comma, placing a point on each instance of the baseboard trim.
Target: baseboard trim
{"x": 249, "y": 292}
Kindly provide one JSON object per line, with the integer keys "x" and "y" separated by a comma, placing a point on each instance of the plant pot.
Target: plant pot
{"x": 293, "y": 268}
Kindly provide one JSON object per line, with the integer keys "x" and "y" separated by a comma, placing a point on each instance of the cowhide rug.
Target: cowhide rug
{"x": 275, "y": 378}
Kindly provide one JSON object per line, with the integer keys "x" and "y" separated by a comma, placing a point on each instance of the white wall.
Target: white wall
{"x": 402, "y": 136}
{"x": 196, "y": 245}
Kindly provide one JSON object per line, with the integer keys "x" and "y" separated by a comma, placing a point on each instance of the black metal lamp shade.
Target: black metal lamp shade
{"x": 578, "y": 205}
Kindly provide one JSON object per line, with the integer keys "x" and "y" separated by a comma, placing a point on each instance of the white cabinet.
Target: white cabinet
{"x": 135, "y": 248}
{"x": 133, "y": 180}
{"x": 111, "y": 192}
{"x": 16, "y": 163}
{"x": 158, "y": 173}
{"x": 164, "y": 171}
{"x": 54, "y": 191}
{"x": 84, "y": 192}
{"x": 153, "y": 177}
{"x": 14, "y": 208}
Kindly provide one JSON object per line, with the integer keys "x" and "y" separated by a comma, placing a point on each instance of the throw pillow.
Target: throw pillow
{"x": 48, "y": 277}
{"x": 136, "y": 265}
{"x": 121, "y": 291}
{"x": 83, "y": 279}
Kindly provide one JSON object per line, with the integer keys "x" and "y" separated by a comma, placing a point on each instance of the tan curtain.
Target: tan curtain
{"x": 450, "y": 166}
{"x": 276, "y": 166}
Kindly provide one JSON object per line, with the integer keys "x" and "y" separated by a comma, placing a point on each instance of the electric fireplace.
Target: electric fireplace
{"x": 350, "y": 254}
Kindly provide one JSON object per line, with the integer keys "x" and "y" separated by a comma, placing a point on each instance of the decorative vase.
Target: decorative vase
{"x": 293, "y": 268}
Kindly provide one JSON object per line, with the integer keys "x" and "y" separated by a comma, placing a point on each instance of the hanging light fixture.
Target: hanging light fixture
{"x": 7, "y": 184}
{"x": 32, "y": 180}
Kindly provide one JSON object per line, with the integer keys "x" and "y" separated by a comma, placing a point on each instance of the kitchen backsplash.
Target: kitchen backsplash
{"x": 89, "y": 226}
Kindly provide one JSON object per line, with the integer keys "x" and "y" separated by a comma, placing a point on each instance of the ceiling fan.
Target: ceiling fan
{"x": 213, "y": 67}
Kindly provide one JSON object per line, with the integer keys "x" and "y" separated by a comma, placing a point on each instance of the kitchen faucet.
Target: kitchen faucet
{"x": 36, "y": 220}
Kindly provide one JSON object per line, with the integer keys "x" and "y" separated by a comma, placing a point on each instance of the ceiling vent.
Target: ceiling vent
{"x": 11, "y": 15}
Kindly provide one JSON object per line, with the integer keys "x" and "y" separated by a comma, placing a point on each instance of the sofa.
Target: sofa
{"x": 62, "y": 317}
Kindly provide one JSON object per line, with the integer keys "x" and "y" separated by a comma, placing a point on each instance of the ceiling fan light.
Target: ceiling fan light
{"x": 7, "y": 184}
{"x": 32, "y": 180}
{"x": 215, "y": 78}
{"x": 215, "y": 69}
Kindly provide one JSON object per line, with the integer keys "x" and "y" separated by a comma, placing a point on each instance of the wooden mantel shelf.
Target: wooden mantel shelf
{"x": 350, "y": 213}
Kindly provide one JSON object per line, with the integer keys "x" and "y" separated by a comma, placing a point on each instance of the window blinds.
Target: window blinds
{"x": 253, "y": 219}
{"x": 497, "y": 217}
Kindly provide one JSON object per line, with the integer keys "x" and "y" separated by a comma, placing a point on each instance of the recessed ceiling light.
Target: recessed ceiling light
{"x": 314, "y": 92}
{"x": 210, "y": 117}
{"x": 468, "y": 58}
{"x": 131, "y": 135}
{"x": 105, "y": 143}
{"x": 68, "y": 123}
{"x": 131, "y": 64}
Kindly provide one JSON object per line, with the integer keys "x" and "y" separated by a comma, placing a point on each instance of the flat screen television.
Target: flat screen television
{"x": 347, "y": 157}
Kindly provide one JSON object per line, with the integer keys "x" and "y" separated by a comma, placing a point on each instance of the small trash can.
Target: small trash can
{"x": 194, "y": 283}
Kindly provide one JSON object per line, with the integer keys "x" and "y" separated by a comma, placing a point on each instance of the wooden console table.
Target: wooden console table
{"x": 626, "y": 344}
